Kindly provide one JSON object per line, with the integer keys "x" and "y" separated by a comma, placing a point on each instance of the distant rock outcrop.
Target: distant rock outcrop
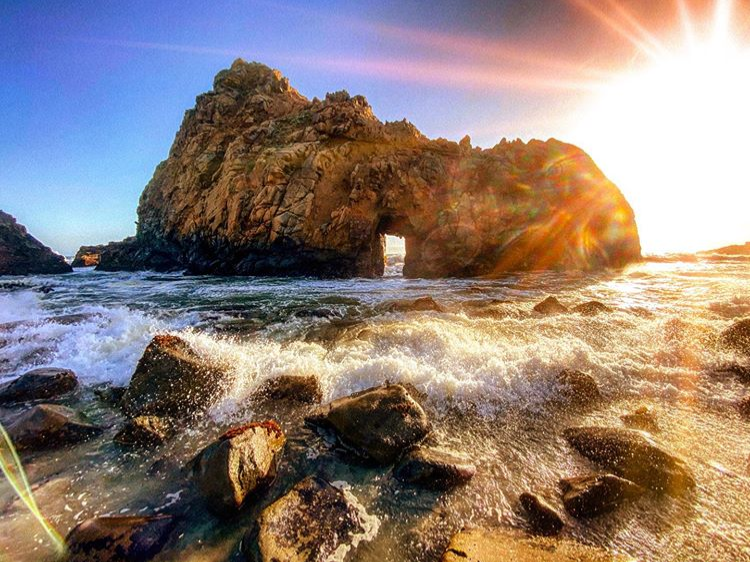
{"x": 262, "y": 181}
{"x": 734, "y": 250}
{"x": 22, "y": 254}
{"x": 87, "y": 256}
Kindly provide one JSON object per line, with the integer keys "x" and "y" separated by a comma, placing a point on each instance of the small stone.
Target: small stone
{"x": 589, "y": 496}
{"x": 630, "y": 455}
{"x": 550, "y": 305}
{"x": 310, "y": 523}
{"x": 378, "y": 424}
{"x": 577, "y": 387}
{"x": 433, "y": 469}
{"x": 119, "y": 539}
{"x": 295, "y": 388}
{"x": 643, "y": 419}
{"x": 109, "y": 394}
{"x": 49, "y": 426}
{"x": 591, "y": 308}
{"x": 145, "y": 430}
{"x": 39, "y": 384}
{"x": 542, "y": 517}
{"x": 242, "y": 461}
{"x": 421, "y": 304}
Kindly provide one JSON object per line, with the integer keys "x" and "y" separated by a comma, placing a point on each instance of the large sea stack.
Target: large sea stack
{"x": 262, "y": 181}
{"x": 22, "y": 254}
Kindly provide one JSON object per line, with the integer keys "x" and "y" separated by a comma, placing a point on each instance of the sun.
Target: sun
{"x": 675, "y": 136}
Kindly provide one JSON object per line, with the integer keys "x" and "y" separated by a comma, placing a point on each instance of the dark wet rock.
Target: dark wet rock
{"x": 737, "y": 337}
{"x": 335, "y": 330}
{"x": 631, "y": 455}
{"x": 542, "y": 517}
{"x": 589, "y": 496}
{"x": 144, "y": 431}
{"x": 171, "y": 379}
{"x": 49, "y": 426}
{"x": 119, "y": 538}
{"x": 22, "y": 254}
{"x": 111, "y": 395}
{"x": 234, "y": 467}
{"x": 39, "y": 384}
{"x": 378, "y": 423}
{"x": 744, "y": 407}
{"x": 421, "y": 304}
{"x": 577, "y": 387}
{"x": 433, "y": 469}
{"x": 295, "y": 388}
{"x": 550, "y": 305}
{"x": 643, "y": 418}
{"x": 512, "y": 545}
{"x": 741, "y": 372}
{"x": 164, "y": 466}
{"x": 308, "y": 524}
{"x": 591, "y": 308}
{"x": 87, "y": 256}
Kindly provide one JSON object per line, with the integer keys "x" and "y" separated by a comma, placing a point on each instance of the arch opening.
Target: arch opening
{"x": 394, "y": 234}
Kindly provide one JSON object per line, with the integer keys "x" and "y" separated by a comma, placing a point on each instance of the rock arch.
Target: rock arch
{"x": 262, "y": 181}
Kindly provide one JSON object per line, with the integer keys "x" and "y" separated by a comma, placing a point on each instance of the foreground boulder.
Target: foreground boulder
{"x": 144, "y": 431}
{"x": 262, "y": 181}
{"x": 433, "y": 469}
{"x": 242, "y": 461}
{"x": 49, "y": 426}
{"x": 39, "y": 384}
{"x": 310, "y": 523}
{"x": 22, "y": 254}
{"x": 589, "y": 496}
{"x": 379, "y": 423}
{"x": 171, "y": 379}
{"x": 577, "y": 387}
{"x": 295, "y": 388}
{"x": 550, "y": 305}
{"x": 737, "y": 337}
{"x": 119, "y": 539}
{"x": 510, "y": 545}
{"x": 542, "y": 517}
{"x": 629, "y": 454}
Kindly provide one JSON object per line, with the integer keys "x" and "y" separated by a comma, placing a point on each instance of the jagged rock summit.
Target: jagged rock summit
{"x": 22, "y": 254}
{"x": 262, "y": 181}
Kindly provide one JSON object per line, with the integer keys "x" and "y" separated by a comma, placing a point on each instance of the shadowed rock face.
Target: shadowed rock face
{"x": 261, "y": 180}
{"x": 22, "y": 254}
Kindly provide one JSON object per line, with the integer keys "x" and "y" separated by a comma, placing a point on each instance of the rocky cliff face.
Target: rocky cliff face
{"x": 22, "y": 254}
{"x": 261, "y": 181}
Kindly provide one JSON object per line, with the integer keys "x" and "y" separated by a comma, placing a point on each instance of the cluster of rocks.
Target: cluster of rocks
{"x": 385, "y": 427}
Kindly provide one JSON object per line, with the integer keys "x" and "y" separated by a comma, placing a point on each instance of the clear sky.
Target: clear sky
{"x": 92, "y": 93}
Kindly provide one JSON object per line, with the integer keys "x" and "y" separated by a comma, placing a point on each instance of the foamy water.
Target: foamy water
{"x": 487, "y": 364}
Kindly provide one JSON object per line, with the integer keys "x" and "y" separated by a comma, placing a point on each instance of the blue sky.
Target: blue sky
{"x": 92, "y": 93}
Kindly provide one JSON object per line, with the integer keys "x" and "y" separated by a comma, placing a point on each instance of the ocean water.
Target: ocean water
{"x": 485, "y": 363}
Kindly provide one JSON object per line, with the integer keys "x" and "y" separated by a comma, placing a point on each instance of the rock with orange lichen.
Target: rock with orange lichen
{"x": 237, "y": 465}
{"x": 262, "y": 181}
